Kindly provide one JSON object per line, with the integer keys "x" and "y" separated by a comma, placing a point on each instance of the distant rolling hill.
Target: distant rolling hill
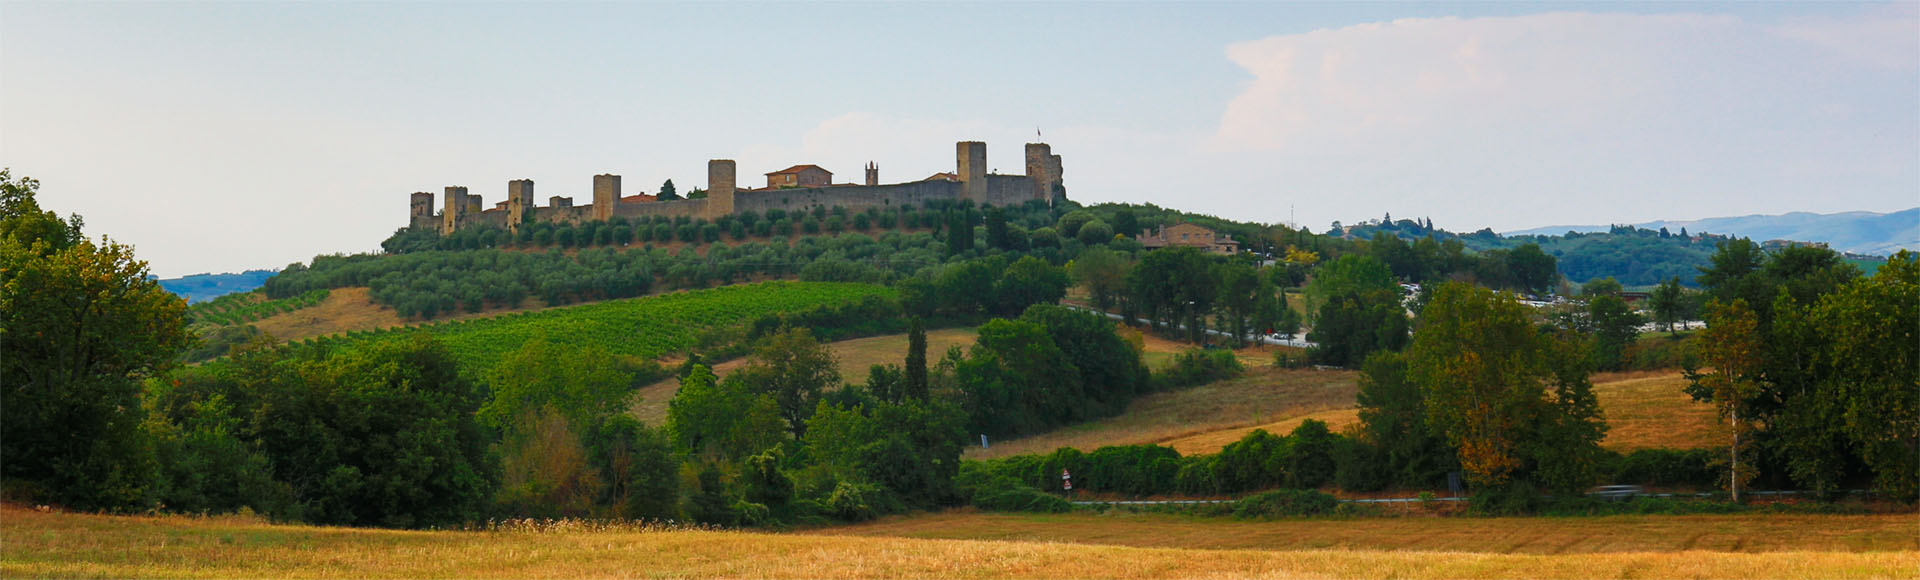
{"x": 1860, "y": 232}
{"x": 199, "y": 288}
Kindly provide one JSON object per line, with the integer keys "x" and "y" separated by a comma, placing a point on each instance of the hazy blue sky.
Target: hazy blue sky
{"x": 219, "y": 137}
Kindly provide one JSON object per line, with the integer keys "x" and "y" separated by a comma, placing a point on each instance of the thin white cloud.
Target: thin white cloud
{"x": 1529, "y": 119}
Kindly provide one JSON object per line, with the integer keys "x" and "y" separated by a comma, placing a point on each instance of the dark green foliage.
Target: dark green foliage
{"x": 1395, "y": 446}
{"x": 1028, "y": 281}
{"x": 1354, "y": 324}
{"x": 1257, "y": 461}
{"x": 1310, "y": 463}
{"x": 1174, "y": 287}
{"x": 1193, "y": 367}
{"x": 915, "y": 382}
{"x": 1016, "y": 381}
{"x": 81, "y": 323}
{"x": 1137, "y": 470}
{"x": 206, "y": 468}
{"x": 347, "y": 430}
{"x": 1107, "y": 364}
{"x": 636, "y": 464}
{"x": 1615, "y": 328}
{"x": 1282, "y": 503}
{"x": 1665, "y": 468}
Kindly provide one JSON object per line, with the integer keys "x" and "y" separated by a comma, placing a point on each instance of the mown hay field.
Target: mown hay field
{"x": 1643, "y": 410}
{"x": 34, "y": 544}
{"x": 1263, "y": 396}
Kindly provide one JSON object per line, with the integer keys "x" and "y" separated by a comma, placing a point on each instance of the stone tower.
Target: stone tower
{"x": 720, "y": 187}
{"x": 972, "y": 170}
{"x": 1043, "y": 167}
{"x": 420, "y": 212}
{"x": 456, "y": 205}
{"x": 606, "y": 193}
{"x": 519, "y": 202}
{"x": 873, "y": 173}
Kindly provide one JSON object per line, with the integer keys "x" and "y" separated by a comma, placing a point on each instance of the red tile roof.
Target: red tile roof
{"x": 797, "y": 169}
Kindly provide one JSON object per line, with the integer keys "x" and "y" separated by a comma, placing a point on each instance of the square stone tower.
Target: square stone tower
{"x": 456, "y": 205}
{"x": 720, "y": 187}
{"x": 420, "y": 212}
{"x": 519, "y": 202}
{"x": 1043, "y": 167}
{"x": 606, "y": 193}
{"x": 972, "y": 170}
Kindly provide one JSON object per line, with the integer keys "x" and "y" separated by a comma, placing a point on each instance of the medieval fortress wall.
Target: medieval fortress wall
{"x": 969, "y": 181}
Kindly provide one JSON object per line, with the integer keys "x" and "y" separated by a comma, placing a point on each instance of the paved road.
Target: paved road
{"x": 1297, "y": 343}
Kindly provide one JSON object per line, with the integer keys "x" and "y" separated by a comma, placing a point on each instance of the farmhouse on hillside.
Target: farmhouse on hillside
{"x": 1185, "y": 234}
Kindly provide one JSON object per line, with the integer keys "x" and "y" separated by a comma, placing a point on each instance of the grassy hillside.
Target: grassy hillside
{"x": 646, "y": 327}
{"x": 72, "y": 545}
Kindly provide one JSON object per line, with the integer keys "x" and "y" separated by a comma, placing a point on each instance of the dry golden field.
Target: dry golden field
{"x": 1648, "y": 410}
{"x": 1263, "y": 396}
{"x": 34, "y": 544}
{"x": 1644, "y": 410}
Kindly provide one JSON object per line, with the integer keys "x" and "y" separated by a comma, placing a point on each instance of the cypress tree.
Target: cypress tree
{"x": 916, "y": 360}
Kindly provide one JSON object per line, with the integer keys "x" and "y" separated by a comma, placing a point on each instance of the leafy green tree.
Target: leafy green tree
{"x": 1125, "y": 223}
{"x": 794, "y": 369}
{"x": 377, "y": 433}
{"x": 721, "y": 420}
{"x": 1310, "y": 462}
{"x": 82, "y": 324}
{"x": 1016, "y": 381}
{"x": 1668, "y": 303}
{"x": 1355, "y": 324}
{"x": 1109, "y": 367}
{"x": 1731, "y": 346}
{"x": 1601, "y": 287}
{"x": 1615, "y": 327}
{"x": 1875, "y": 371}
{"x": 585, "y": 385}
{"x": 1095, "y": 233}
{"x": 667, "y": 192}
{"x": 1393, "y": 419}
{"x": 1512, "y": 400}
{"x": 1069, "y": 224}
{"x": 1174, "y": 286}
{"x": 1103, "y": 272}
{"x": 642, "y": 480}
{"x": 1533, "y": 270}
{"x": 1027, "y": 282}
{"x": 1347, "y": 274}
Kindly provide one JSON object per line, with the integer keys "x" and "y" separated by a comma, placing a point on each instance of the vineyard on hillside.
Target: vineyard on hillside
{"x": 647, "y": 327}
{"x": 249, "y": 307}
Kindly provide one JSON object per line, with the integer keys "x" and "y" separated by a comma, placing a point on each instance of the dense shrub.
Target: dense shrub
{"x": 1665, "y": 467}
{"x": 1197, "y": 367}
{"x": 1282, "y": 503}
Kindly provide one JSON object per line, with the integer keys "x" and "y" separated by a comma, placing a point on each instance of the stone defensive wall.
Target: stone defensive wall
{"x": 970, "y": 181}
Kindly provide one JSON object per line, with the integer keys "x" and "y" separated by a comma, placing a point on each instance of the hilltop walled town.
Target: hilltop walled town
{"x": 796, "y": 188}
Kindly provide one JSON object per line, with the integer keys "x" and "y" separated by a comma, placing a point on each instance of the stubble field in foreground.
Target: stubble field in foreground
{"x": 34, "y": 544}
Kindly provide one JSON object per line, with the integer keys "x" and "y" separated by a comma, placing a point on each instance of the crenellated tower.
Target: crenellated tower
{"x": 456, "y": 206}
{"x": 519, "y": 203}
{"x": 420, "y": 211}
